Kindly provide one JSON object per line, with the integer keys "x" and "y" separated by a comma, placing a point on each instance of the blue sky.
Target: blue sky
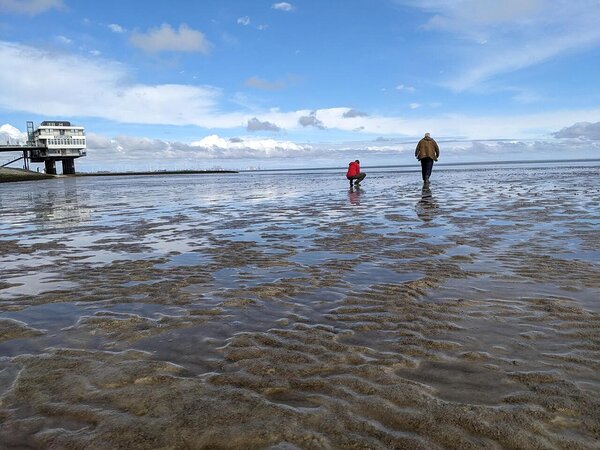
{"x": 238, "y": 84}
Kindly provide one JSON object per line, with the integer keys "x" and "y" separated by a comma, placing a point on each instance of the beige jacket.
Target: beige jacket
{"x": 427, "y": 148}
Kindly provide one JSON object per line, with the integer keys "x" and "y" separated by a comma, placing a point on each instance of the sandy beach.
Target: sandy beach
{"x": 285, "y": 311}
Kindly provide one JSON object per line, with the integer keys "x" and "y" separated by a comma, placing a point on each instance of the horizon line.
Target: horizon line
{"x": 468, "y": 163}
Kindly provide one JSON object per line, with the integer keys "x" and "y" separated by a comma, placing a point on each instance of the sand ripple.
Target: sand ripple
{"x": 204, "y": 313}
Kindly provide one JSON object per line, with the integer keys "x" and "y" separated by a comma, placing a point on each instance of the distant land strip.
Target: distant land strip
{"x": 416, "y": 166}
{"x": 156, "y": 172}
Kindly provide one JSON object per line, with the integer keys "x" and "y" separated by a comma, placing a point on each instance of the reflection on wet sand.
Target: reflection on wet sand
{"x": 199, "y": 312}
{"x": 354, "y": 195}
{"x": 426, "y": 207}
{"x": 59, "y": 203}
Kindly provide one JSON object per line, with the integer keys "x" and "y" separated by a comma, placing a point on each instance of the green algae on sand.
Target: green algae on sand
{"x": 12, "y": 175}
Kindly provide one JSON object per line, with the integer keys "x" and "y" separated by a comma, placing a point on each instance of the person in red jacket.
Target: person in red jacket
{"x": 354, "y": 173}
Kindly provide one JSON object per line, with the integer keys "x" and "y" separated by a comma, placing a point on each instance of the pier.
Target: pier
{"x": 50, "y": 142}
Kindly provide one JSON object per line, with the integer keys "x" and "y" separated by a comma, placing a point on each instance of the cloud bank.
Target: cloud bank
{"x": 102, "y": 148}
{"x": 143, "y": 153}
{"x": 238, "y": 152}
{"x": 582, "y": 130}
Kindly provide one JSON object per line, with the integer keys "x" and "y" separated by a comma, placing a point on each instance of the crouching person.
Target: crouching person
{"x": 354, "y": 174}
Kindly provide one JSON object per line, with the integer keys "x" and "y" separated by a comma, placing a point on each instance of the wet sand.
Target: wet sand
{"x": 284, "y": 311}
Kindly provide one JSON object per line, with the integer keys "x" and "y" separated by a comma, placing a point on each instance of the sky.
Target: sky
{"x": 241, "y": 84}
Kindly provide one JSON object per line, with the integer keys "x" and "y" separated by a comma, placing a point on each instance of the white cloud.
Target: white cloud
{"x": 243, "y": 20}
{"x": 414, "y": 105}
{"x": 524, "y": 96}
{"x": 95, "y": 52}
{"x": 402, "y": 87}
{"x": 517, "y": 33}
{"x": 105, "y": 90}
{"x": 116, "y": 28}
{"x": 64, "y": 40}
{"x": 512, "y": 59}
{"x": 31, "y": 7}
{"x": 282, "y": 6}
{"x": 166, "y": 39}
{"x": 11, "y": 135}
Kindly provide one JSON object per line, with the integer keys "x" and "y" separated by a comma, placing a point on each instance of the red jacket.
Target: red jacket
{"x": 353, "y": 169}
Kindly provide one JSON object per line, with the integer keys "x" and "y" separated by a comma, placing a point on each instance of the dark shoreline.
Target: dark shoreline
{"x": 163, "y": 172}
{"x": 9, "y": 175}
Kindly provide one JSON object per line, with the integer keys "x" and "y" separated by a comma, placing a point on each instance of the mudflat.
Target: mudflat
{"x": 286, "y": 311}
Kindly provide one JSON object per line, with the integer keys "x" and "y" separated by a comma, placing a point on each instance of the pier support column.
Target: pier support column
{"x": 68, "y": 166}
{"x": 50, "y": 166}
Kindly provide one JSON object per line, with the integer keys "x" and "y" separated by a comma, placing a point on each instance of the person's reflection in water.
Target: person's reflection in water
{"x": 427, "y": 206}
{"x": 354, "y": 195}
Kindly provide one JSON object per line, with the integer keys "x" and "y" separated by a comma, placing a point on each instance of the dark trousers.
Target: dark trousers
{"x": 426, "y": 166}
{"x": 358, "y": 178}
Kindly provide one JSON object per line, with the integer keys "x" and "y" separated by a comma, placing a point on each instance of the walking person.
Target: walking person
{"x": 354, "y": 173}
{"x": 427, "y": 152}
